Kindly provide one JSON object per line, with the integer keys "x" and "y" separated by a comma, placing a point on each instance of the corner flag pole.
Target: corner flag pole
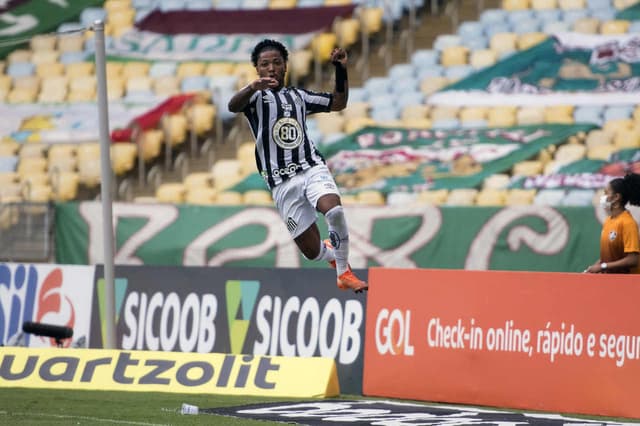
{"x": 105, "y": 187}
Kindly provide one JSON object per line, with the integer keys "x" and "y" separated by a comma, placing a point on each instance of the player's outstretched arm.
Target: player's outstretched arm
{"x": 341, "y": 90}
{"x": 240, "y": 100}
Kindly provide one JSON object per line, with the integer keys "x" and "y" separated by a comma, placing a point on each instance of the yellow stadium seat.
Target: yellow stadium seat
{"x": 544, "y": 4}
{"x": 462, "y": 197}
{"x": 167, "y": 85}
{"x": 226, "y": 173}
{"x": 473, "y": 114}
{"x": 200, "y": 195}
{"x": 322, "y": 45}
{"x": 348, "y": 31}
{"x": 8, "y": 148}
{"x": 201, "y": 117}
{"x": 511, "y": 5}
{"x": 443, "y": 112}
{"x": 177, "y": 127}
{"x": 600, "y": 152}
{"x": 370, "y": 197}
{"x": 65, "y": 185}
{"x": 190, "y": 69}
{"x": 599, "y": 137}
{"x": 19, "y": 55}
{"x": 32, "y": 150}
{"x": 520, "y": 197}
{"x": 496, "y": 181}
{"x": 613, "y": 126}
{"x": 527, "y": 168}
{"x": 7, "y": 178}
{"x": 528, "y": 40}
{"x": 215, "y": 69}
{"x": 586, "y": 26}
{"x": 627, "y": 138}
{"x": 616, "y": 26}
{"x": 571, "y": 4}
{"x": 43, "y": 42}
{"x": 5, "y": 83}
{"x": 44, "y": 57}
{"x": 430, "y": 85}
{"x": 70, "y": 43}
{"x": 483, "y": 58}
{"x": 530, "y": 115}
{"x": 34, "y": 177}
{"x": 115, "y": 88}
{"x": 414, "y": 112}
{"x": 503, "y": 43}
{"x": 245, "y": 72}
{"x": 115, "y": 5}
{"x": 80, "y": 69}
{"x": 416, "y": 123}
{"x": 491, "y": 197}
{"x": 198, "y": 179}
{"x": 300, "y": 62}
{"x": 38, "y": 193}
{"x": 123, "y": 157}
{"x": 562, "y": 114}
{"x": 19, "y": 96}
{"x": 371, "y": 18}
{"x": 114, "y": 69}
{"x": 282, "y": 4}
{"x": 139, "y": 83}
{"x": 568, "y": 153}
{"x": 83, "y": 84}
{"x": 257, "y": 197}
{"x": 151, "y": 143}
{"x": 354, "y": 124}
{"x": 454, "y": 55}
{"x": 623, "y": 4}
{"x": 337, "y": 2}
{"x": 50, "y": 69}
{"x": 171, "y": 193}
{"x": 503, "y": 116}
{"x": 135, "y": 69}
{"x": 435, "y": 197}
{"x": 357, "y": 109}
{"x": 229, "y": 198}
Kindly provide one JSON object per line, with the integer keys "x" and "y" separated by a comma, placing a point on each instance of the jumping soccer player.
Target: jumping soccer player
{"x": 288, "y": 160}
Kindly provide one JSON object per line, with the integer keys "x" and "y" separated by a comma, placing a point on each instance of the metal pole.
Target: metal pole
{"x": 105, "y": 188}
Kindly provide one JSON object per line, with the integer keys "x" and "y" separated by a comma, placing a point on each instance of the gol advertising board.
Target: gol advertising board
{"x": 51, "y": 294}
{"x": 544, "y": 341}
{"x": 256, "y": 311}
{"x": 152, "y": 371}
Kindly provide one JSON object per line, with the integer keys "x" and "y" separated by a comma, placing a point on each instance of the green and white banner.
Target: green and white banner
{"x": 413, "y": 160}
{"x": 585, "y": 173}
{"x": 532, "y": 238}
{"x": 150, "y": 46}
{"x": 566, "y": 69}
{"x": 37, "y": 17}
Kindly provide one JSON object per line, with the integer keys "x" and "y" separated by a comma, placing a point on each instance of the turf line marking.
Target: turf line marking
{"x": 97, "y": 419}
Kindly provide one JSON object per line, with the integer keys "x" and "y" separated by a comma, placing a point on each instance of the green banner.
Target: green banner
{"x": 631, "y": 13}
{"x": 585, "y": 173}
{"x": 568, "y": 69}
{"x": 38, "y": 17}
{"x": 532, "y": 238}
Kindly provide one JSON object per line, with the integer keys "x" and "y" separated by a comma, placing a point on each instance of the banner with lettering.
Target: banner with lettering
{"x": 535, "y": 238}
{"x": 22, "y": 19}
{"x": 566, "y": 69}
{"x": 221, "y": 35}
{"x": 585, "y": 173}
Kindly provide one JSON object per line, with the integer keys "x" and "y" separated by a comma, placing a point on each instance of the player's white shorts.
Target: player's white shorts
{"x": 296, "y": 198}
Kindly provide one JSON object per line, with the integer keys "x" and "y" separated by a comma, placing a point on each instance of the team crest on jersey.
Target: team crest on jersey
{"x": 612, "y": 235}
{"x": 287, "y": 133}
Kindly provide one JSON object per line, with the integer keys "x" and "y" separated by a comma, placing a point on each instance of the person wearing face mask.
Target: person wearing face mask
{"x": 619, "y": 241}
{"x": 288, "y": 160}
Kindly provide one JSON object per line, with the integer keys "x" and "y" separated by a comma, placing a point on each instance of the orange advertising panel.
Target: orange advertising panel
{"x": 541, "y": 341}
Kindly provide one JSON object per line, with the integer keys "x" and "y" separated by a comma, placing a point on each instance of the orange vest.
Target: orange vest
{"x": 619, "y": 237}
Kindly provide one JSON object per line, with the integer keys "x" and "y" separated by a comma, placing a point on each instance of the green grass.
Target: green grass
{"x": 20, "y": 406}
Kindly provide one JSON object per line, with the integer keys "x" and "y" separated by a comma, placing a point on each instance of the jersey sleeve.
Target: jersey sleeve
{"x": 630, "y": 237}
{"x": 252, "y": 103}
{"x": 316, "y": 101}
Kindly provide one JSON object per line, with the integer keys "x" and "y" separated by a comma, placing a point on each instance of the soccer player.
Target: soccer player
{"x": 288, "y": 160}
{"x": 619, "y": 241}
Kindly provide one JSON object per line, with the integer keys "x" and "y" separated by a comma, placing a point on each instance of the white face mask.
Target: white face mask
{"x": 606, "y": 204}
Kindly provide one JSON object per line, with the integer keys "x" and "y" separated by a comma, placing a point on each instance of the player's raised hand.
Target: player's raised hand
{"x": 339, "y": 55}
{"x": 264, "y": 83}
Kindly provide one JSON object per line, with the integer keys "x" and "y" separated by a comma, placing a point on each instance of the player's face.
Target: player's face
{"x": 272, "y": 64}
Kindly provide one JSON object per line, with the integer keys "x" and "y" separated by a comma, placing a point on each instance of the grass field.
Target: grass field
{"x": 20, "y": 406}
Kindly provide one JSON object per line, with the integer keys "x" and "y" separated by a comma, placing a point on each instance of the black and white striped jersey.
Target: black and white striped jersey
{"x": 278, "y": 122}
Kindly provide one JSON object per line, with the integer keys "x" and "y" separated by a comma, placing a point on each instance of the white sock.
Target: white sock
{"x": 339, "y": 236}
{"x": 326, "y": 253}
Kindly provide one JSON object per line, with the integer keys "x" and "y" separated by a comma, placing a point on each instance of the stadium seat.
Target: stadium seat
{"x": 589, "y": 114}
{"x": 19, "y": 56}
{"x": 226, "y": 173}
{"x": 568, "y": 153}
{"x": 50, "y": 69}
{"x": 528, "y": 40}
{"x": 162, "y": 69}
{"x": 198, "y": 179}
{"x": 190, "y": 69}
{"x": 627, "y": 138}
{"x": 520, "y": 197}
{"x": 215, "y": 69}
{"x": 549, "y": 197}
{"x": 40, "y": 57}
{"x": 586, "y": 26}
{"x": 200, "y": 195}
{"x": 559, "y": 114}
{"x": 496, "y": 181}
{"x": 527, "y": 168}
{"x": 257, "y": 197}
{"x": 491, "y": 197}
{"x": 483, "y": 58}
{"x": 64, "y": 185}
{"x": 454, "y": 55}
{"x": 511, "y": 5}
{"x": 438, "y": 113}
{"x": 201, "y": 117}
{"x": 530, "y": 115}
{"x": 462, "y": 197}
{"x": 20, "y": 69}
{"x": 135, "y": 69}
{"x": 79, "y": 69}
{"x": 123, "y": 157}
{"x": 171, "y": 193}
{"x": 599, "y": 137}
{"x": 370, "y": 198}
{"x": 614, "y": 27}
{"x": 503, "y": 43}
{"x": 322, "y": 45}
{"x": 571, "y": 4}
{"x": 579, "y": 197}
{"x": 400, "y": 198}
{"x": 501, "y": 116}
{"x": 282, "y": 4}
{"x": 166, "y": 86}
{"x": 600, "y": 152}
{"x": 229, "y": 198}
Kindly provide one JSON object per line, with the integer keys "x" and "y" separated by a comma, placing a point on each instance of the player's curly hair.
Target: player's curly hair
{"x": 628, "y": 187}
{"x": 268, "y": 44}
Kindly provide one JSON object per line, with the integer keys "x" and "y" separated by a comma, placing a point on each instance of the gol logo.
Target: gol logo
{"x": 241, "y": 299}
{"x": 393, "y": 330}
